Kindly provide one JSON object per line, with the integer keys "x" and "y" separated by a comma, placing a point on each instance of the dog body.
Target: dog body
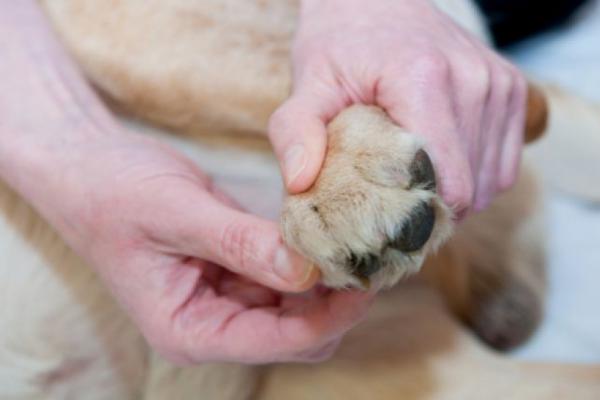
{"x": 221, "y": 67}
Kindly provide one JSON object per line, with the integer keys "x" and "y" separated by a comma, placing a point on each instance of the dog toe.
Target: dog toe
{"x": 364, "y": 266}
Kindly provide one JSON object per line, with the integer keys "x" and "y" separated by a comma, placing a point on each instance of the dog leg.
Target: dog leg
{"x": 492, "y": 271}
{"x": 206, "y": 381}
{"x": 410, "y": 348}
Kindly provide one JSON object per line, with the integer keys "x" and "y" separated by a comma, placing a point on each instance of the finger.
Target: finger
{"x": 248, "y": 293}
{"x": 424, "y": 106}
{"x": 264, "y": 335}
{"x": 320, "y": 354}
{"x": 512, "y": 146}
{"x": 495, "y": 122}
{"x": 298, "y": 133}
{"x": 471, "y": 83}
{"x": 201, "y": 226}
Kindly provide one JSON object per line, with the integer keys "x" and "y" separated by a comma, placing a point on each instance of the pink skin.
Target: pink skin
{"x": 202, "y": 279}
{"x": 431, "y": 76}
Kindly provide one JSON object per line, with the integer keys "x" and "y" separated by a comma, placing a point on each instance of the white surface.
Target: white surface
{"x": 571, "y": 331}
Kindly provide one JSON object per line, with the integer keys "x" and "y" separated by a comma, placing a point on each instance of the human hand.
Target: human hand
{"x": 431, "y": 76}
{"x": 203, "y": 280}
{"x": 193, "y": 271}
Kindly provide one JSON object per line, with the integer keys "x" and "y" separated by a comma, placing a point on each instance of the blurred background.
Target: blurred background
{"x": 568, "y": 55}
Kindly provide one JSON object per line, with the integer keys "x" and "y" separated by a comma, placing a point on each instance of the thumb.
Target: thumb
{"x": 297, "y": 131}
{"x": 243, "y": 244}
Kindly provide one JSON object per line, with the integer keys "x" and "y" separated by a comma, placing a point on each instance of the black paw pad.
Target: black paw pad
{"x": 416, "y": 230}
{"x": 422, "y": 172}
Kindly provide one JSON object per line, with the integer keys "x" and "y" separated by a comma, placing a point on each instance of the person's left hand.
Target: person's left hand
{"x": 202, "y": 279}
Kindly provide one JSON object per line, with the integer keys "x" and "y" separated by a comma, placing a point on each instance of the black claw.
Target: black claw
{"x": 422, "y": 172}
{"x": 417, "y": 230}
{"x": 364, "y": 266}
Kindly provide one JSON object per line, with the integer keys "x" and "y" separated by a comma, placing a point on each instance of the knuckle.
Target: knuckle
{"x": 318, "y": 62}
{"x": 478, "y": 77}
{"x": 278, "y": 121}
{"x": 481, "y": 72}
{"x": 504, "y": 82}
{"x": 431, "y": 65}
{"x": 237, "y": 244}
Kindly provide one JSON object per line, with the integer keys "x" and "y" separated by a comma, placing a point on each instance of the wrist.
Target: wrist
{"x": 47, "y": 108}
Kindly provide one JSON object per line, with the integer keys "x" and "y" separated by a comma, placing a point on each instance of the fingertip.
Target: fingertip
{"x": 296, "y": 273}
{"x": 293, "y": 167}
{"x": 461, "y": 205}
{"x": 459, "y": 195}
{"x": 481, "y": 203}
{"x": 299, "y": 138}
{"x": 301, "y": 162}
{"x": 508, "y": 178}
{"x": 302, "y": 180}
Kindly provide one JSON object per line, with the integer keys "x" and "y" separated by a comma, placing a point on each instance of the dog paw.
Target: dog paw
{"x": 373, "y": 213}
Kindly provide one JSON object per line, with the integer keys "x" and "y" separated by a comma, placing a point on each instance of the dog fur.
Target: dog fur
{"x": 389, "y": 184}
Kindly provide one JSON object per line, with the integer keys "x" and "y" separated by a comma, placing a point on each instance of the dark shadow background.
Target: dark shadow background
{"x": 513, "y": 20}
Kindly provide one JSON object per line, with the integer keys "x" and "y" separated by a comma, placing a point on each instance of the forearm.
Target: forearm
{"x": 47, "y": 108}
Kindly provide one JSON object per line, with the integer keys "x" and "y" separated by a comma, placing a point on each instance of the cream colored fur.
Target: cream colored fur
{"x": 373, "y": 179}
{"x": 200, "y": 67}
{"x": 220, "y": 66}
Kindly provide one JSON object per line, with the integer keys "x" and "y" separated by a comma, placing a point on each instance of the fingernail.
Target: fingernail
{"x": 293, "y": 269}
{"x": 294, "y": 162}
